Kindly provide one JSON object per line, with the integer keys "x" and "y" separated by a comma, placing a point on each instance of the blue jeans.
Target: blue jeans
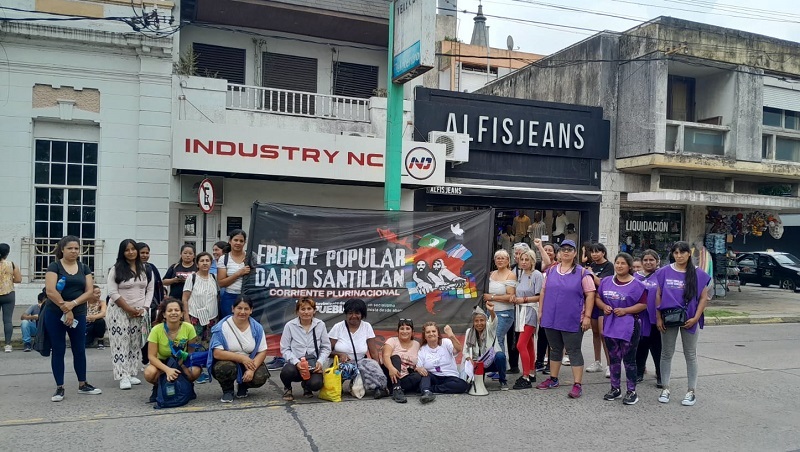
{"x": 505, "y": 320}
{"x": 499, "y": 366}
{"x": 28, "y": 328}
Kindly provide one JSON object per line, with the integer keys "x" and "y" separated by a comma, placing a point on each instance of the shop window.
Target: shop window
{"x": 65, "y": 190}
{"x": 640, "y": 230}
{"x": 680, "y": 98}
{"x": 220, "y": 62}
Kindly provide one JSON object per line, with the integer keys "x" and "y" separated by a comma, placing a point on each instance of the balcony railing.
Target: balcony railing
{"x": 297, "y": 103}
{"x": 695, "y": 138}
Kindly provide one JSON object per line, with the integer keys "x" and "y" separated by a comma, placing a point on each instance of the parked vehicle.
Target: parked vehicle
{"x": 769, "y": 268}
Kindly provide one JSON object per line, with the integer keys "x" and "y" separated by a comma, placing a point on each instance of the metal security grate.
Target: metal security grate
{"x": 220, "y": 62}
{"x": 355, "y": 80}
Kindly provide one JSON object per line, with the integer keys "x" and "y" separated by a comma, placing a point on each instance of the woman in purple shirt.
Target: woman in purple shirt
{"x": 681, "y": 285}
{"x": 566, "y": 303}
{"x": 651, "y": 338}
{"x": 621, "y": 298}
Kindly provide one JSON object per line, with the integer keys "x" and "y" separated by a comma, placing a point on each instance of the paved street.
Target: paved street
{"x": 747, "y": 399}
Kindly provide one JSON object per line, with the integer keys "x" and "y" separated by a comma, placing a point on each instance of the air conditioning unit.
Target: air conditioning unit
{"x": 457, "y": 145}
{"x": 359, "y": 134}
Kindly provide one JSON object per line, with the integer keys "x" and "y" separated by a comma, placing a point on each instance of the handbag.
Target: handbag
{"x": 357, "y": 389}
{"x": 673, "y": 317}
{"x": 487, "y": 358}
{"x": 331, "y": 383}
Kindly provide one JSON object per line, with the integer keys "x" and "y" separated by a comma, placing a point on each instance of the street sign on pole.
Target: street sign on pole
{"x": 205, "y": 198}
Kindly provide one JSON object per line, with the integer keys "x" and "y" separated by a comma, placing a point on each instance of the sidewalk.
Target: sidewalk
{"x": 755, "y": 304}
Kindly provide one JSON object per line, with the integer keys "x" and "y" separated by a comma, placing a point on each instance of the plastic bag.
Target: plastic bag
{"x": 332, "y": 383}
{"x": 357, "y": 388}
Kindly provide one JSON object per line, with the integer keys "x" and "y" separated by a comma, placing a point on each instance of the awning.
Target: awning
{"x": 502, "y": 189}
{"x": 716, "y": 199}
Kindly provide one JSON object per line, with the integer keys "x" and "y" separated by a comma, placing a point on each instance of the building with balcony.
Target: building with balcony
{"x": 704, "y": 129}
{"x": 85, "y": 119}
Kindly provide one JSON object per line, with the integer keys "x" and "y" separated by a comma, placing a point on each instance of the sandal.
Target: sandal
{"x": 287, "y": 395}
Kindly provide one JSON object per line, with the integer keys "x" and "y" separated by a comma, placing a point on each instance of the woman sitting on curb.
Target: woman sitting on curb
{"x": 238, "y": 349}
{"x": 304, "y": 337}
{"x": 436, "y": 362}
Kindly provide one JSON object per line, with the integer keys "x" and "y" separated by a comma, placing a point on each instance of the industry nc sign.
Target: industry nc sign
{"x": 256, "y": 150}
{"x": 414, "y": 47}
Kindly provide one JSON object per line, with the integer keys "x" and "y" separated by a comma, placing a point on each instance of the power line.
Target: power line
{"x": 752, "y": 17}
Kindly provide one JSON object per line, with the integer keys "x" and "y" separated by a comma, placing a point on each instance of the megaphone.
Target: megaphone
{"x": 478, "y": 388}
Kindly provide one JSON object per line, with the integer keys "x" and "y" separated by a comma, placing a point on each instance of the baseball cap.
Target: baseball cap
{"x": 569, "y": 243}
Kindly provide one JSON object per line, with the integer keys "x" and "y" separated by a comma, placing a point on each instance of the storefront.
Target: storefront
{"x": 533, "y": 162}
{"x": 248, "y": 164}
{"x": 646, "y": 229}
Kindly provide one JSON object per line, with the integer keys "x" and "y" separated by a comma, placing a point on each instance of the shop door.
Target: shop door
{"x": 192, "y": 229}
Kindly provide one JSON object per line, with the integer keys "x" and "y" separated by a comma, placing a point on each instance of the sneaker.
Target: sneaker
{"x": 134, "y": 381}
{"x": 59, "y": 395}
{"x": 546, "y": 370}
{"x": 277, "y": 363}
{"x": 539, "y": 367}
{"x": 565, "y": 361}
{"x": 380, "y": 393}
{"x": 639, "y": 378}
{"x": 658, "y": 384}
{"x": 513, "y": 370}
{"x": 613, "y": 394}
{"x": 689, "y": 400}
{"x": 522, "y": 383}
{"x": 307, "y": 393}
{"x": 204, "y": 378}
{"x": 153, "y": 395}
{"x": 664, "y": 397}
{"x": 100, "y": 345}
{"x": 227, "y": 397}
{"x": 241, "y": 392}
{"x": 493, "y": 375}
{"x": 427, "y": 397}
{"x": 8, "y": 348}
{"x": 594, "y": 367}
{"x": 28, "y": 347}
{"x": 89, "y": 390}
{"x": 630, "y": 398}
{"x": 399, "y": 396}
{"x": 550, "y": 383}
{"x": 576, "y": 391}
{"x": 125, "y": 383}
{"x": 608, "y": 372}
{"x": 287, "y": 395}
{"x": 503, "y": 386}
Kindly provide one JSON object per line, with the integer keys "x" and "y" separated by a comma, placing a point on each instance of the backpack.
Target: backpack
{"x": 213, "y": 276}
{"x": 172, "y": 394}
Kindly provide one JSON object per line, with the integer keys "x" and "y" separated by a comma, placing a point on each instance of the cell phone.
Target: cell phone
{"x": 74, "y": 321}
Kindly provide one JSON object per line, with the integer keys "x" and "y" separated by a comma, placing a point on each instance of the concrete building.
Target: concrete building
{"x": 85, "y": 119}
{"x": 704, "y": 123}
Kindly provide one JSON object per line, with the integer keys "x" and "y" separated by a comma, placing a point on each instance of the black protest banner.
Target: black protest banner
{"x": 419, "y": 265}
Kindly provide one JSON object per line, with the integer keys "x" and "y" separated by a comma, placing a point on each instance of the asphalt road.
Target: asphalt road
{"x": 747, "y": 396}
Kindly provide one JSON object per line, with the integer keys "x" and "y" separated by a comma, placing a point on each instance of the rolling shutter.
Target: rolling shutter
{"x": 291, "y": 72}
{"x": 355, "y": 80}
{"x": 220, "y": 62}
{"x": 782, "y": 98}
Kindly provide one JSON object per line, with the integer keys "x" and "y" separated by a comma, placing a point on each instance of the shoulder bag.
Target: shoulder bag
{"x": 357, "y": 388}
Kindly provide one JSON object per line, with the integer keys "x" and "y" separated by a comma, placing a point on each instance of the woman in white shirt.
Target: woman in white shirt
{"x": 239, "y": 348}
{"x": 200, "y": 302}
{"x": 231, "y": 269}
{"x": 436, "y": 363}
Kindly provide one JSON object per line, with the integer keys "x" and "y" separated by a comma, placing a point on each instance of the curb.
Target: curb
{"x": 745, "y": 320}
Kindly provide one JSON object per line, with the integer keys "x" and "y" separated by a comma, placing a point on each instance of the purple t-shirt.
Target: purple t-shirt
{"x": 648, "y": 317}
{"x": 619, "y": 295}
{"x": 671, "y": 283}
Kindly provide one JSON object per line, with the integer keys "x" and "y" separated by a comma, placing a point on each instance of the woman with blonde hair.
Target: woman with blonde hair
{"x": 502, "y": 287}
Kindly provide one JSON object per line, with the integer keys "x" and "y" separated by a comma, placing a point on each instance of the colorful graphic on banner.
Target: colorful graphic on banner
{"x": 418, "y": 265}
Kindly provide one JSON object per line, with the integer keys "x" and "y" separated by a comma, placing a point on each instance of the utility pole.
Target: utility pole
{"x": 394, "y": 127}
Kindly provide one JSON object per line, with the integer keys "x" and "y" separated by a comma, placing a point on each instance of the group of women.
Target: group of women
{"x": 207, "y": 309}
{"x": 207, "y": 303}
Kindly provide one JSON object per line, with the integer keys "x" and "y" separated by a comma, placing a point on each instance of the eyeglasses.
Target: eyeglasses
{"x": 567, "y": 249}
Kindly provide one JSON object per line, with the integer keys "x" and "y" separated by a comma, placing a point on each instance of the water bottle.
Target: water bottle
{"x": 305, "y": 373}
{"x": 61, "y": 283}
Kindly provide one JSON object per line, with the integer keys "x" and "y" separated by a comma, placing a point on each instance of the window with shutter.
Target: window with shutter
{"x": 355, "y": 80}
{"x": 220, "y": 62}
{"x": 294, "y": 73}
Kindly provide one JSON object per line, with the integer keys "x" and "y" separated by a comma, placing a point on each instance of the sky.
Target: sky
{"x": 546, "y": 38}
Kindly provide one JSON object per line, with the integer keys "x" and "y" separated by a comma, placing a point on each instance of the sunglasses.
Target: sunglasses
{"x": 407, "y": 322}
